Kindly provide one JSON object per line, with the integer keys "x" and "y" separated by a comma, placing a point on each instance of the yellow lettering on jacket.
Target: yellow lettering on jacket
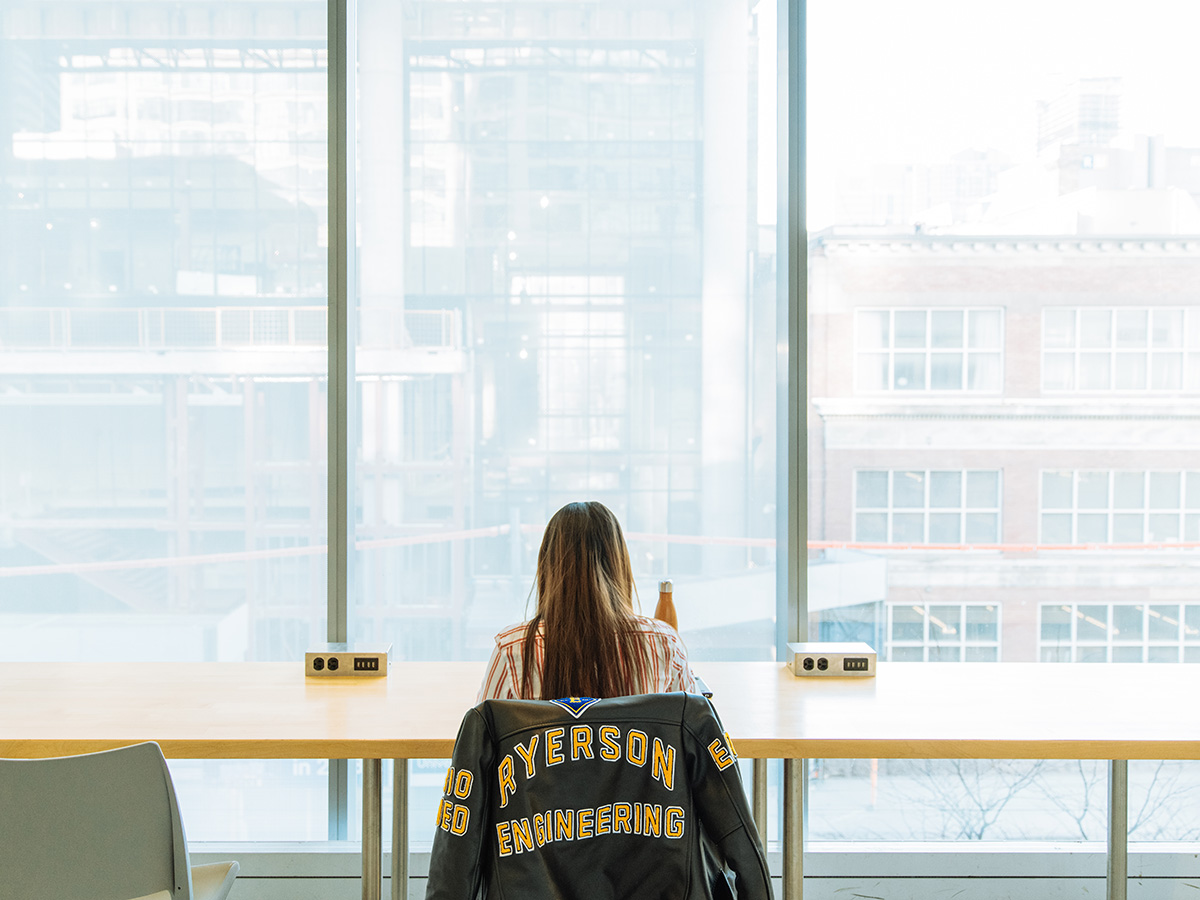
{"x": 564, "y": 825}
{"x": 635, "y": 747}
{"x": 664, "y": 764}
{"x": 527, "y": 755}
{"x": 554, "y": 746}
{"x": 462, "y": 784}
{"x": 581, "y": 741}
{"x": 522, "y": 837}
{"x": 621, "y": 816}
{"x": 539, "y": 830}
{"x": 651, "y": 819}
{"x": 583, "y": 818}
{"x": 719, "y": 754}
{"x": 674, "y": 824}
{"x": 604, "y": 819}
{"x": 609, "y": 735}
{"x": 508, "y": 786}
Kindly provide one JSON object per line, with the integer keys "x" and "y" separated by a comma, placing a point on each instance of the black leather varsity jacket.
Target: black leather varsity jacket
{"x": 634, "y": 797}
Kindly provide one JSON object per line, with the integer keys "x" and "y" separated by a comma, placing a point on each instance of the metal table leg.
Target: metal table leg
{"x": 1118, "y": 828}
{"x": 372, "y": 829}
{"x": 758, "y": 797}
{"x": 793, "y": 829}
{"x": 400, "y": 829}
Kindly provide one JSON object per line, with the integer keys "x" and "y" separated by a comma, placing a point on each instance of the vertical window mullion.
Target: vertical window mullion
{"x": 340, "y": 55}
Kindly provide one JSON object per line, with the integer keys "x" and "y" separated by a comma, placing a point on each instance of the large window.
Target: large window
{"x": 1119, "y": 632}
{"x": 929, "y": 349}
{"x": 1003, "y": 329}
{"x": 564, "y": 268}
{"x": 960, "y": 632}
{"x": 163, "y": 353}
{"x": 581, "y": 199}
{"x": 1124, "y": 349}
{"x": 927, "y": 507}
{"x": 564, "y": 293}
{"x": 1120, "y": 507}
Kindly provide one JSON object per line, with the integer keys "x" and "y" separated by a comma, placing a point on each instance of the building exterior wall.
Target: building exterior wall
{"x": 1020, "y": 430}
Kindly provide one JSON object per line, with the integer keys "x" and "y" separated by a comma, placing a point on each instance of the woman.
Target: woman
{"x": 585, "y": 639}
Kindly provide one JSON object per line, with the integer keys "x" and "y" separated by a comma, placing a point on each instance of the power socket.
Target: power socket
{"x": 826, "y": 658}
{"x": 347, "y": 659}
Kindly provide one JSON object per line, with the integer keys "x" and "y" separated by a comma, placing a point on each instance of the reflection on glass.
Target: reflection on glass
{"x": 910, "y": 329}
{"x": 947, "y": 328}
{"x": 162, "y": 327}
{"x": 983, "y": 489}
{"x": 908, "y": 489}
{"x": 567, "y": 292}
{"x": 945, "y": 488}
{"x": 1131, "y": 327}
{"x": 1092, "y": 490}
{"x": 1095, "y": 328}
{"x": 1128, "y": 490}
{"x": 1164, "y": 490}
{"x": 909, "y": 371}
{"x": 872, "y": 489}
{"x": 945, "y": 371}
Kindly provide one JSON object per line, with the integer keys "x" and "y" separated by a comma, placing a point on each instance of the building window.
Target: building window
{"x": 939, "y": 632}
{"x": 1121, "y": 349}
{"x": 927, "y": 507}
{"x": 1119, "y": 632}
{"x": 1102, "y": 507}
{"x": 929, "y": 349}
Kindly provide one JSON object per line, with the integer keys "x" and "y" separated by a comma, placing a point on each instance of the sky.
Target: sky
{"x": 919, "y": 80}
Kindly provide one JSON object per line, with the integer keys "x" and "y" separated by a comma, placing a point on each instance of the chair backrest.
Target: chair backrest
{"x": 101, "y": 826}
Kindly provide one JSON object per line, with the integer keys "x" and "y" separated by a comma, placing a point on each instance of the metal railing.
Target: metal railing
{"x": 217, "y": 328}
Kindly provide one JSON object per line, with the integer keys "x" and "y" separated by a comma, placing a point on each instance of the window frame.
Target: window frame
{"x": 930, "y": 621}
{"x": 927, "y": 510}
{"x": 965, "y": 352}
{"x": 1187, "y": 517}
{"x": 1049, "y": 649}
{"x": 1188, "y": 351}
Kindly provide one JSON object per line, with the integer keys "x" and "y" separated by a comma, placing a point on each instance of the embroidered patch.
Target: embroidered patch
{"x": 575, "y": 705}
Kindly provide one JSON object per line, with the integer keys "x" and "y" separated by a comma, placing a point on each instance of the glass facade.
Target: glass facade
{"x": 565, "y": 269}
{"x": 1002, "y": 325}
{"x": 163, "y": 353}
{"x": 564, "y": 293}
{"x": 566, "y": 288}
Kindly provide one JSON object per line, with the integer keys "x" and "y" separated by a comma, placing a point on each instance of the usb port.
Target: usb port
{"x": 366, "y": 664}
{"x": 854, "y": 664}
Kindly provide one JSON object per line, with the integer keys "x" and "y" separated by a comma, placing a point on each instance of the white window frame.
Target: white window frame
{"x": 963, "y": 509}
{"x": 1188, "y": 516}
{"x": 965, "y": 351}
{"x": 934, "y": 628}
{"x": 1187, "y": 634}
{"x": 1188, "y": 351}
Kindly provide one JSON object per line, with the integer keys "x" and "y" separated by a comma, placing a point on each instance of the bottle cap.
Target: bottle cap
{"x": 665, "y": 587}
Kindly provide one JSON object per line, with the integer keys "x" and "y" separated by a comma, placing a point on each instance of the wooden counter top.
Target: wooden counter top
{"x": 270, "y": 710}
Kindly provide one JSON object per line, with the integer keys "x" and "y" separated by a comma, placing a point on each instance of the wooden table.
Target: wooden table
{"x": 248, "y": 711}
{"x": 1116, "y": 712}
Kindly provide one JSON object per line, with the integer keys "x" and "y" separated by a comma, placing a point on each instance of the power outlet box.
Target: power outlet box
{"x": 823, "y": 659}
{"x": 347, "y": 659}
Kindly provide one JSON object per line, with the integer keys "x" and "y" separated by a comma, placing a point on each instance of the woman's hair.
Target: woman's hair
{"x": 584, "y": 608}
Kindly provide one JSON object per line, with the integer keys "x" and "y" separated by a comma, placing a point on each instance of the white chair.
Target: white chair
{"x": 101, "y": 826}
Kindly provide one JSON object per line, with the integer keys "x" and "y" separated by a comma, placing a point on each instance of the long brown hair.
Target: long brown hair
{"x": 585, "y": 609}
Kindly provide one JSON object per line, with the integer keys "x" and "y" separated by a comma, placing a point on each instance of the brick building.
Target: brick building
{"x": 1034, "y": 398}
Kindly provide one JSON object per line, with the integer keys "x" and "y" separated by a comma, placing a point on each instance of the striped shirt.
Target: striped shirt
{"x": 666, "y": 667}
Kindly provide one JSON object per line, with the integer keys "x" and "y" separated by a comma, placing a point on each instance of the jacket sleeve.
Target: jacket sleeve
{"x": 460, "y": 841}
{"x": 721, "y": 800}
